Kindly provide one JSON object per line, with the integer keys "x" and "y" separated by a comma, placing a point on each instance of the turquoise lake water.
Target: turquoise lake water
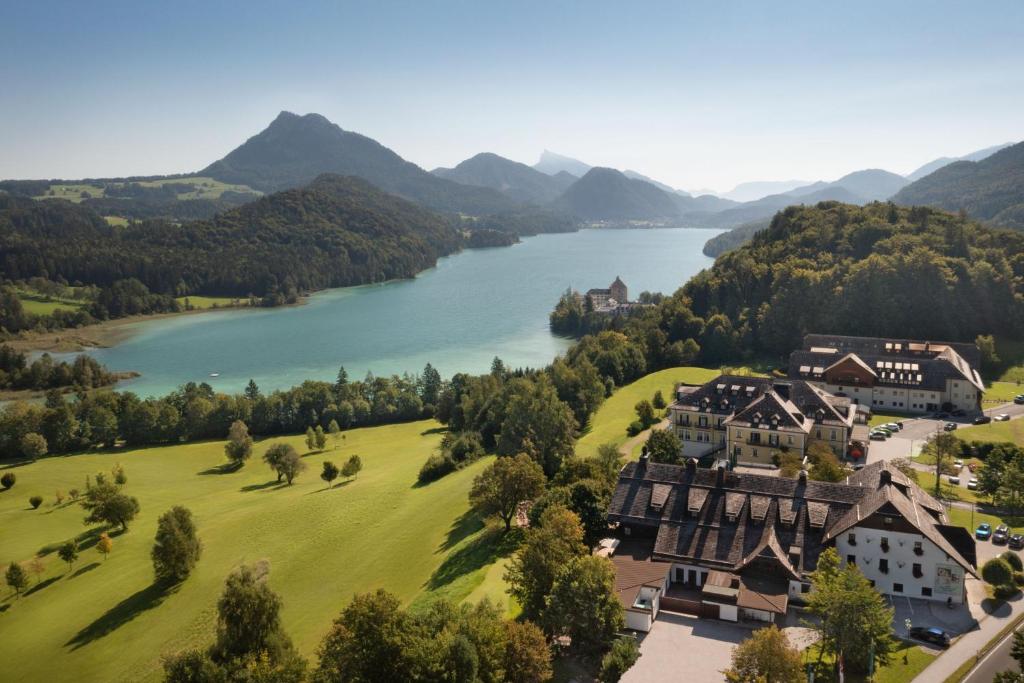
{"x": 458, "y": 316}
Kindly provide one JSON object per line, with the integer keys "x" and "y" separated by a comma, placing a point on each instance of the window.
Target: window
{"x": 883, "y": 566}
{"x": 918, "y": 549}
{"x": 851, "y": 539}
{"x": 789, "y": 439}
{"x": 805, "y": 588}
{"x": 926, "y": 592}
{"x": 702, "y": 421}
{"x": 897, "y": 588}
{"x": 884, "y": 544}
{"x": 832, "y": 435}
{"x": 686, "y": 435}
{"x": 851, "y": 559}
{"x": 917, "y": 571}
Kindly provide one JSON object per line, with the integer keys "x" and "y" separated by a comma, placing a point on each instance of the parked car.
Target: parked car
{"x": 893, "y": 426}
{"x": 983, "y": 532}
{"x": 958, "y": 462}
{"x": 932, "y": 635}
{"x": 972, "y": 484}
{"x": 1001, "y": 417}
{"x": 959, "y": 412}
{"x": 883, "y": 428}
{"x": 1001, "y": 535}
{"x": 955, "y": 481}
{"x": 950, "y": 427}
{"x": 878, "y": 436}
{"x": 1018, "y": 399}
{"x": 1017, "y": 542}
{"x": 982, "y": 420}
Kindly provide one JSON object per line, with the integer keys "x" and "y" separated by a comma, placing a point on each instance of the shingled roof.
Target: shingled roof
{"x": 725, "y": 520}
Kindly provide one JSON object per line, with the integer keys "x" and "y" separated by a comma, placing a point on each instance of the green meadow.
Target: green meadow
{"x": 39, "y": 304}
{"x": 205, "y": 188}
{"x": 105, "y": 620}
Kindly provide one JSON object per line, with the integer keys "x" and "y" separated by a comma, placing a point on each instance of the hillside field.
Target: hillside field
{"x": 104, "y": 620}
{"x": 205, "y": 188}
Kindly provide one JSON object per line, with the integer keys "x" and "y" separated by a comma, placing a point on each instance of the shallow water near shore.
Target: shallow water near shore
{"x": 473, "y": 306}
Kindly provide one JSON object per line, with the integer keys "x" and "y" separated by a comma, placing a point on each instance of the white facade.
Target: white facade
{"x": 930, "y": 575}
{"x": 961, "y": 394}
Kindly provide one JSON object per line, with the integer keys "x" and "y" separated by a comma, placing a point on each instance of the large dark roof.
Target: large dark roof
{"x": 727, "y": 520}
{"x": 858, "y": 345}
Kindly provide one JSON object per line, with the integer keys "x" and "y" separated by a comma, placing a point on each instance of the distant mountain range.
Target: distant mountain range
{"x": 553, "y": 164}
{"x": 604, "y": 194}
{"x": 752, "y": 191}
{"x": 935, "y": 165}
{"x": 517, "y": 181}
{"x": 293, "y": 150}
{"x": 990, "y": 190}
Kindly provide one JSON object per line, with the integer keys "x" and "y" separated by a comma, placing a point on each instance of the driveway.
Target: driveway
{"x": 682, "y": 647}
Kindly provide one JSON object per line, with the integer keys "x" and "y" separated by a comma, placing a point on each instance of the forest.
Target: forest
{"x": 877, "y": 270}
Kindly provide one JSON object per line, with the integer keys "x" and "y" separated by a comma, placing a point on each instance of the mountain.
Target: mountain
{"x": 766, "y": 207}
{"x": 935, "y": 165}
{"x": 552, "y": 163}
{"x": 869, "y": 185}
{"x": 661, "y": 186}
{"x": 991, "y": 189}
{"x": 517, "y": 181}
{"x": 737, "y": 237}
{"x": 337, "y": 231}
{"x": 756, "y": 189}
{"x": 604, "y": 194}
{"x": 293, "y": 150}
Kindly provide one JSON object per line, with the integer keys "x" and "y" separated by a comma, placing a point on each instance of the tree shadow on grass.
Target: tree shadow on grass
{"x": 223, "y": 468}
{"x": 272, "y": 484}
{"x": 465, "y": 526}
{"x": 87, "y": 539}
{"x": 41, "y": 585}
{"x": 87, "y": 568}
{"x": 120, "y": 614}
{"x": 491, "y": 545}
{"x": 434, "y": 430}
{"x": 339, "y": 485}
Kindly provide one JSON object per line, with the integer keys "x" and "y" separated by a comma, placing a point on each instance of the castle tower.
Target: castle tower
{"x": 618, "y": 291}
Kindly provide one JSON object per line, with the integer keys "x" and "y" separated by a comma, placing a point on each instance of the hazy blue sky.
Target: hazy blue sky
{"x": 694, "y": 94}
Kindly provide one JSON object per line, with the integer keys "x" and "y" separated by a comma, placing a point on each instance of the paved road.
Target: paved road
{"x": 997, "y": 660}
{"x": 969, "y": 644}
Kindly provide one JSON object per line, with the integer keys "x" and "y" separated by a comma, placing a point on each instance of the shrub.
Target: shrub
{"x": 1005, "y": 591}
{"x": 35, "y": 501}
{"x": 436, "y": 466}
{"x": 659, "y": 400}
{"x": 619, "y": 659}
{"x": 33, "y": 446}
{"x": 635, "y": 427}
{"x": 997, "y": 572}
{"x": 1013, "y": 559}
{"x": 8, "y": 479}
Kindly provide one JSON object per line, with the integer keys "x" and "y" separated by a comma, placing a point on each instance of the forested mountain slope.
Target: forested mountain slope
{"x": 517, "y": 181}
{"x": 990, "y": 190}
{"x": 293, "y": 150}
{"x": 337, "y": 231}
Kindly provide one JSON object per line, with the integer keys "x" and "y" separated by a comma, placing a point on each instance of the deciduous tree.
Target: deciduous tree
{"x": 583, "y": 605}
{"x": 664, "y": 446}
{"x": 765, "y": 657}
{"x": 68, "y": 552}
{"x": 352, "y": 467}
{"x": 17, "y": 577}
{"x": 104, "y": 546}
{"x": 548, "y": 547}
{"x": 176, "y": 548}
{"x": 504, "y": 484}
{"x": 330, "y": 473}
{"x": 239, "y": 445}
{"x": 619, "y": 659}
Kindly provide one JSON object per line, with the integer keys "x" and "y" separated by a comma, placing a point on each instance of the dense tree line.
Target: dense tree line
{"x": 336, "y": 232}
{"x": 875, "y": 270}
{"x": 195, "y": 411}
{"x": 45, "y": 373}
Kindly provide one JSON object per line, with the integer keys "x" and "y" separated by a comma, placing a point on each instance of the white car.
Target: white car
{"x": 955, "y": 481}
{"x": 958, "y": 462}
{"x": 972, "y": 484}
{"x": 1001, "y": 417}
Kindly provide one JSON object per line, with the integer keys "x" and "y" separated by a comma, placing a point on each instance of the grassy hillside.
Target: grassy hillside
{"x": 994, "y": 431}
{"x": 201, "y": 188}
{"x": 105, "y": 621}
{"x": 609, "y": 423}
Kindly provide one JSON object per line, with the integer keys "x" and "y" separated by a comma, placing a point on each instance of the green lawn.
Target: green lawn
{"x": 205, "y": 188}
{"x": 116, "y": 221}
{"x": 609, "y": 423}
{"x": 964, "y": 518}
{"x": 1012, "y": 430}
{"x": 105, "y": 621}
{"x": 38, "y": 304}
{"x": 949, "y": 492}
{"x": 205, "y": 302}
{"x": 883, "y": 418}
{"x": 905, "y": 663}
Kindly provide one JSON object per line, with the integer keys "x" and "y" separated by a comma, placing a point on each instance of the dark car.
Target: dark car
{"x": 950, "y": 427}
{"x": 932, "y": 635}
{"x": 1017, "y": 542}
{"x": 1018, "y": 399}
{"x": 982, "y": 420}
{"x": 1001, "y": 535}
{"x": 983, "y": 532}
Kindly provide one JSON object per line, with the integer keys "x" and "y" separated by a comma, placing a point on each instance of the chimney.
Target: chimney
{"x": 803, "y": 477}
{"x": 641, "y": 465}
{"x": 720, "y": 475}
{"x": 691, "y": 466}
{"x": 885, "y": 476}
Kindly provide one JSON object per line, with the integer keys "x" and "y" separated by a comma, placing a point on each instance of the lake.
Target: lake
{"x": 473, "y": 306}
